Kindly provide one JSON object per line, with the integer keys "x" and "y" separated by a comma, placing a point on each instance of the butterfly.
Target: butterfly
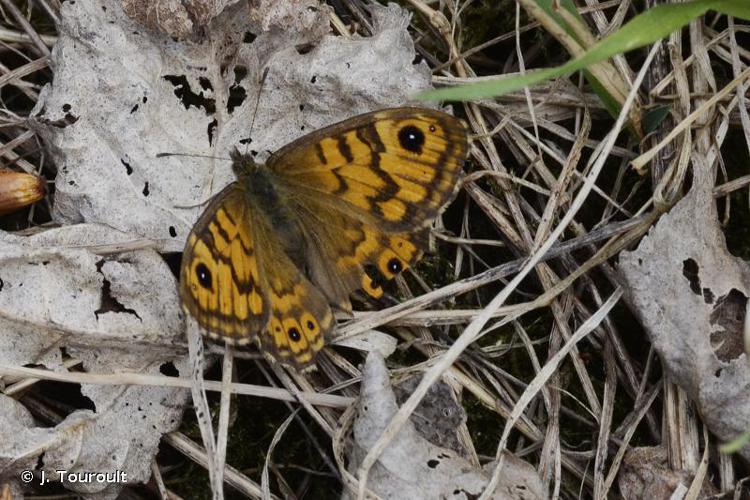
{"x": 344, "y": 208}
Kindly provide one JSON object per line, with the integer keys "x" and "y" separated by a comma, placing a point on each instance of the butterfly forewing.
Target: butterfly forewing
{"x": 396, "y": 169}
{"x": 220, "y": 280}
{"x": 365, "y": 189}
{"x": 240, "y": 285}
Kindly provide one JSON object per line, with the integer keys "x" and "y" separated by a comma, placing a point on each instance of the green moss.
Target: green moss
{"x": 485, "y": 426}
{"x": 483, "y": 20}
{"x": 737, "y": 163}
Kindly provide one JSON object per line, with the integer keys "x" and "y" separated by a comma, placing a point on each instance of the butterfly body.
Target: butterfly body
{"x": 344, "y": 208}
{"x": 260, "y": 188}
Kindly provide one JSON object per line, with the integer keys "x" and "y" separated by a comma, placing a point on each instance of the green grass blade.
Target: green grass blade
{"x": 642, "y": 30}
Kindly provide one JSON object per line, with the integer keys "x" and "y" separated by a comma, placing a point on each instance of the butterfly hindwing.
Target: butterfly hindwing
{"x": 347, "y": 254}
{"x": 299, "y": 315}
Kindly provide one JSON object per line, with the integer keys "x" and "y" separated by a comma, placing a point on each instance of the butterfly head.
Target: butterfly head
{"x": 243, "y": 164}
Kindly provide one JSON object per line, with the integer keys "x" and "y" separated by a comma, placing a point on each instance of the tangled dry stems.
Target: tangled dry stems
{"x": 547, "y": 197}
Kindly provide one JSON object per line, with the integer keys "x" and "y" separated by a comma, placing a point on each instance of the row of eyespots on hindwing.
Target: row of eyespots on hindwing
{"x": 398, "y": 252}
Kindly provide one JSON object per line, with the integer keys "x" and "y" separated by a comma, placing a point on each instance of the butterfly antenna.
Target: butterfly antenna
{"x": 192, "y": 155}
{"x": 257, "y": 104}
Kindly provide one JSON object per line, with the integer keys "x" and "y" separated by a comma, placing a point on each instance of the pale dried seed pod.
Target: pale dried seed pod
{"x": 18, "y": 189}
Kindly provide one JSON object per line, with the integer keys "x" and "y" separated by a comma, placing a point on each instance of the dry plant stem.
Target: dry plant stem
{"x": 625, "y": 445}
{"x": 564, "y": 179}
{"x": 585, "y": 189}
{"x": 630, "y": 377}
{"x": 436, "y": 19}
{"x": 641, "y": 162}
{"x": 17, "y": 141}
{"x": 36, "y": 374}
{"x": 11, "y": 36}
{"x": 52, "y": 11}
{"x": 37, "y": 42}
{"x": 657, "y": 73}
{"x": 264, "y": 483}
{"x": 326, "y": 417}
{"x": 317, "y": 416}
{"x": 424, "y": 333}
{"x": 681, "y": 428}
{"x": 339, "y": 443}
{"x": 548, "y": 280}
{"x": 570, "y": 466}
{"x": 200, "y": 402}
{"x": 26, "y": 69}
{"x": 680, "y": 436}
{"x": 620, "y": 356}
{"x": 336, "y": 368}
{"x": 727, "y": 477}
{"x": 535, "y": 385}
{"x": 369, "y": 321}
{"x": 28, "y": 89}
{"x": 736, "y": 68}
{"x": 468, "y": 382}
{"x": 605, "y": 419}
{"x": 156, "y": 475}
{"x": 17, "y": 387}
{"x": 668, "y": 186}
{"x": 522, "y": 238}
{"x": 718, "y": 38}
{"x": 731, "y": 186}
{"x": 527, "y": 93}
{"x": 616, "y": 84}
{"x": 606, "y": 28}
{"x": 546, "y": 276}
{"x": 523, "y": 29}
{"x": 326, "y": 422}
{"x": 700, "y": 473}
{"x": 305, "y": 428}
{"x": 232, "y": 476}
{"x": 338, "y": 25}
{"x": 17, "y": 160}
{"x": 549, "y": 466}
{"x": 575, "y": 173}
{"x": 222, "y": 432}
{"x": 474, "y": 329}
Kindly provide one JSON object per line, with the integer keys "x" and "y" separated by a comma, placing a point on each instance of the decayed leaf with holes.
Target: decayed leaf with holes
{"x": 173, "y": 17}
{"x": 411, "y": 466}
{"x": 114, "y": 313}
{"x": 439, "y": 417}
{"x": 122, "y": 94}
{"x": 647, "y": 475}
{"x": 188, "y": 19}
{"x": 690, "y": 294}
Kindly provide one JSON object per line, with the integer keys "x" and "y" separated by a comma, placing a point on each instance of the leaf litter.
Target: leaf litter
{"x": 192, "y": 78}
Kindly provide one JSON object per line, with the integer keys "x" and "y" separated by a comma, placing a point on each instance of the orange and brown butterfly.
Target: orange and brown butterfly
{"x": 344, "y": 208}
